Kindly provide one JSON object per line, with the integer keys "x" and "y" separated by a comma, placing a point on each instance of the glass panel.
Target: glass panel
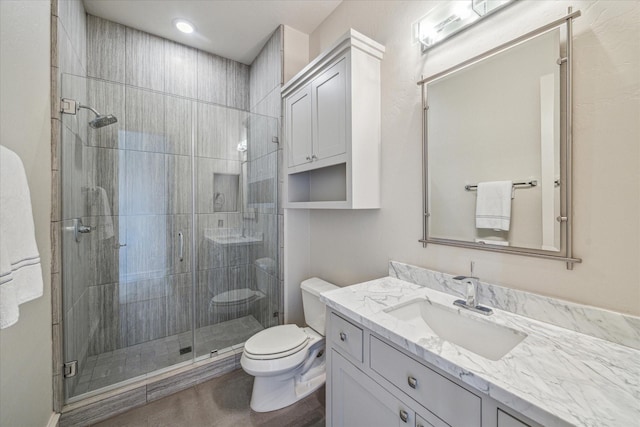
{"x": 181, "y": 198}
{"x": 237, "y": 290}
{"x": 127, "y": 283}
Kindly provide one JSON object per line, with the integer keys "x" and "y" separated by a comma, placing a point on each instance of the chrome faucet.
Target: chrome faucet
{"x": 471, "y": 298}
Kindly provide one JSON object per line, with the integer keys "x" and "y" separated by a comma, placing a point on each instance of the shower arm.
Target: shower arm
{"x": 89, "y": 108}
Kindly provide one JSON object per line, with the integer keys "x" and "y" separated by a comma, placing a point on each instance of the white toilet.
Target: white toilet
{"x": 288, "y": 362}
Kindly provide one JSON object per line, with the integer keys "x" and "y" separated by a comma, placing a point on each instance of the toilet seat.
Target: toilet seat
{"x": 276, "y": 342}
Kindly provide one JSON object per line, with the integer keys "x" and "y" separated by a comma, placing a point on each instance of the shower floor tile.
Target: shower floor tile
{"x": 115, "y": 366}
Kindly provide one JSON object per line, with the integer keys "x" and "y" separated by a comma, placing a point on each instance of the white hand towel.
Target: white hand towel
{"x": 17, "y": 233}
{"x": 493, "y": 205}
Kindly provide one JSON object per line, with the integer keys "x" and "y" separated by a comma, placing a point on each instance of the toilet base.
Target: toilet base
{"x": 270, "y": 395}
{"x": 276, "y": 392}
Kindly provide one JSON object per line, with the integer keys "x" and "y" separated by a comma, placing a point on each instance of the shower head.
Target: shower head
{"x": 100, "y": 120}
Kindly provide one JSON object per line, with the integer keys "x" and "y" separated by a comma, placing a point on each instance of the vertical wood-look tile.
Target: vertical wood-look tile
{"x": 181, "y": 63}
{"x": 144, "y": 63}
{"x": 56, "y": 211}
{"x": 55, "y": 247}
{"x": 107, "y": 98}
{"x": 104, "y": 192}
{"x": 211, "y": 131}
{"x": 212, "y": 78}
{"x": 107, "y": 250}
{"x": 105, "y": 49}
{"x": 237, "y": 85}
{"x": 178, "y": 125}
{"x": 55, "y": 144}
{"x": 104, "y": 408}
{"x": 179, "y": 303}
{"x": 145, "y": 183}
{"x": 146, "y": 320}
{"x": 146, "y": 246}
{"x": 178, "y": 179}
{"x": 144, "y": 120}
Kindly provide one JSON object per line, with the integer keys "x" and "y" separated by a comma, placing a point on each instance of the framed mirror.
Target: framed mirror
{"x": 497, "y": 155}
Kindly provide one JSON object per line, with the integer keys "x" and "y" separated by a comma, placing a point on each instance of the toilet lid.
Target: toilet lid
{"x": 276, "y": 340}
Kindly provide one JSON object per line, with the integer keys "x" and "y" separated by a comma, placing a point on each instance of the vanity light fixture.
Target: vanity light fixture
{"x": 450, "y": 18}
{"x": 184, "y": 26}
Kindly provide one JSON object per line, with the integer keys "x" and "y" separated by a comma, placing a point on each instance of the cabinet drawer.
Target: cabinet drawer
{"x": 506, "y": 420}
{"x": 346, "y": 336}
{"x": 450, "y": 402}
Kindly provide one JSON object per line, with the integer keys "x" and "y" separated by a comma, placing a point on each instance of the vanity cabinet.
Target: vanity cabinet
{"x": 332, "y": 128}
{"x": 371, "y": 382}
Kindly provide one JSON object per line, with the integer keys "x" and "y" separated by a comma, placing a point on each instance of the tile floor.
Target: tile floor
{"x": 110, "y": 368}
{"x": 221, "y": 402}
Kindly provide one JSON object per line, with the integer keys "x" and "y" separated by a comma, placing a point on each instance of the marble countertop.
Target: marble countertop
{"x": 555, "y": 376}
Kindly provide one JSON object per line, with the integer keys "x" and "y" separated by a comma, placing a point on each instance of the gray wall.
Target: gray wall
{"x": 25, "y": 127}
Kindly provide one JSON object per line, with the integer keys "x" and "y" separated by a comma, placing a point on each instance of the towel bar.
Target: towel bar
{"x": 522, "y": 184}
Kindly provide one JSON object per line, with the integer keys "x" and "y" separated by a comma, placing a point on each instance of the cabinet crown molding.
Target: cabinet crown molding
{"x": 350, "y": 39}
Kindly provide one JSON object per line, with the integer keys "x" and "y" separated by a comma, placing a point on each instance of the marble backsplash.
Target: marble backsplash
{"x": 604, "y": 324}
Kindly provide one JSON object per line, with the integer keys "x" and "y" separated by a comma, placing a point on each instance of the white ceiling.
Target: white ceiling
{"x": 235, "y": 29}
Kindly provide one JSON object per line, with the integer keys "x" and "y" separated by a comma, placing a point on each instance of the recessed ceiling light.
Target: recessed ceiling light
{"x": 184, "y": 26}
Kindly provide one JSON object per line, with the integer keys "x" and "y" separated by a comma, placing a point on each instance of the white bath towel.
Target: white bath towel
{"x": 17, "y": 234}
{"x": 493, "y": 205}
{"x": 9, "y": 311}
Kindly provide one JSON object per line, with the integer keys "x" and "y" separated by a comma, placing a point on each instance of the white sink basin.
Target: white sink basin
{"x": 232, "y": 237}
{"x": 468, "y": 330}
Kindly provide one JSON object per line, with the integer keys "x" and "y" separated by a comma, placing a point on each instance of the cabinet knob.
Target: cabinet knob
{"x": 343, "y": 336}
{"x": 413, "y": 383}
{"x": 308, "y": 158}
{"x": 404, "y": 415}
{"x": 314, "y": 157}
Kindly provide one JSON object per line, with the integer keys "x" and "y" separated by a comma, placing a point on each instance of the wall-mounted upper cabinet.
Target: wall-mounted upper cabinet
{"x": 332, "y": 128}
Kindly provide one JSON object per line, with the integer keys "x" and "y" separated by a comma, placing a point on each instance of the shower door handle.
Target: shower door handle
{"x": 181, "y": 250}
{"x": 79, "y": 228}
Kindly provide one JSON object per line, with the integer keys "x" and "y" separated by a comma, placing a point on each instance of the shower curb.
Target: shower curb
{"x": 113, "y": 402}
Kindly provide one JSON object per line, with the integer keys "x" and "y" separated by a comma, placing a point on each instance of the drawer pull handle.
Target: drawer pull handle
{"x": 413, "y": 383}
{"x": 404, "y": 415}
{"x": 343, "y": 336}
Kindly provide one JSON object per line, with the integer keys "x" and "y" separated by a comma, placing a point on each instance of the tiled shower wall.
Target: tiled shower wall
{"x": 153, "y": 287}
{"x": 265, "y": 82}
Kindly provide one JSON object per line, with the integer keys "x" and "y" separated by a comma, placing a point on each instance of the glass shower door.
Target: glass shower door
{"x": 126, "y": 234}
{"x": 169, "y": 232}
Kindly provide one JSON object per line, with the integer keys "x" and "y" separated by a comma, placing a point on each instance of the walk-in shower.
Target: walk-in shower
{"x": 180, "y": 260}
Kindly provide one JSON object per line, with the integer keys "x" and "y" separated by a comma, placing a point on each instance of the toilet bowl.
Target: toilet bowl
{"x": 287, "y": 361}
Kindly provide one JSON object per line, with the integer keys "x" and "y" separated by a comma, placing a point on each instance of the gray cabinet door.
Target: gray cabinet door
{"x": 358, "y": 401}
{"x": 330, "y": 111}
{"x": 299, "y": 126}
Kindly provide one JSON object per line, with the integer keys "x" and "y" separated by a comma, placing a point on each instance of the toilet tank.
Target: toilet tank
{"x": 314, "y": 310}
